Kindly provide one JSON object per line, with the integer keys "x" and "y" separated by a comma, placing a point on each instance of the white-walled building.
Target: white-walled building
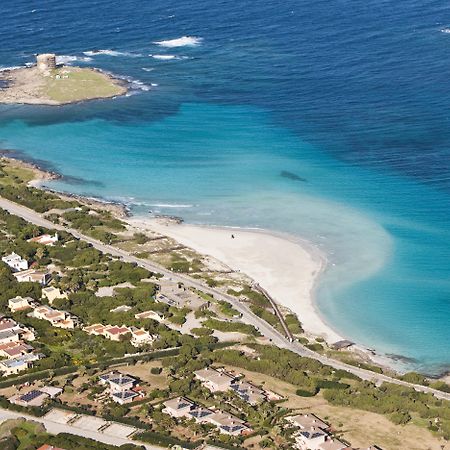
{"x": 31, "y": 275}
{"x": 15, "y": 262}
{"x": 51, "y": 293}
{"x": 20, "y": 303}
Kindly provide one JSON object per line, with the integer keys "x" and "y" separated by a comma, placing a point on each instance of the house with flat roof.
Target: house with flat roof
{"x": 59, "y": 319}
{"x": 35, "y": 276}
{"x": 178, "y": 407}
{"x": 118, "y": 382}
{"x": 51, "y": 293}
{"x": 124, "y": 397}
{"x": 310, "y": 438}
{"x": 200, "y": 414}
{"x": 51, "y": 391}
{"x": 8, "y": 336}
{"x": 15, "y": 262}
{"x": 20, "y": 303}
{"x": 228, "y": 424}
{"x": 45, "y": 239}
{"x": 121, "y": 387}
{"x": 31, "y": 398}
{"x": 16, "y": 365}
{"x": 161, "y": 298}
{"x": 215, "y": 380}
{"x": 11, "y": 331}
{"x": 96, "y": 329}
{"x": 249, "y": 392}
{"x": 304, "y": 421}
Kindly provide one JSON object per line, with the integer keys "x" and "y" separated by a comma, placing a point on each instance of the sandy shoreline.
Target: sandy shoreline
{"x": 286, "y": 266}
{"x": 287, "y": 269}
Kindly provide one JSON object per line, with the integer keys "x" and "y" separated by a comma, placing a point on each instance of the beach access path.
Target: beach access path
{"x": 247, "y": 315}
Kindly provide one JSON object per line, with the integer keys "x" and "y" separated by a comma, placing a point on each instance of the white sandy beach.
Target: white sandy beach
{"x": 286, "y": 269}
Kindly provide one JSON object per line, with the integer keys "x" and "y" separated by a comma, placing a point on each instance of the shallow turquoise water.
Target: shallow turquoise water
{"x": 222, "y": 165}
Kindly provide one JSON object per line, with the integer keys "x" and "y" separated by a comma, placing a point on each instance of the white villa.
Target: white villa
{"x": 20, "y": 303}
{"x": 139, "y": 337}
{"x": 31, "y": 275}
{"x": 59, "y": 319}
{"x": 15, "y": 262}
{"x": 51, "y": 294}
{"x": 121, "y": 387}
{"x": 215, "y": 380}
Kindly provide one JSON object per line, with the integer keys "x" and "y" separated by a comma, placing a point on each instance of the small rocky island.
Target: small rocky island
{"x": 47, "y": 83}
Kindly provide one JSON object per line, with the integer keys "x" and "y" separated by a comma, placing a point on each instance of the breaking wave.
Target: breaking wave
{"x": 184, "y": 41}
{"x": 109, "y": 52}
{"x": 67, "y": 59}
{"x": 134, "y": 84}
{"x": 5, "y": 69}
{"x": 167, "y": 57}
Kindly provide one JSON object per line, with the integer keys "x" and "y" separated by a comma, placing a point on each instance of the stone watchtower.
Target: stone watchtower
{"x": 46, "y": 62}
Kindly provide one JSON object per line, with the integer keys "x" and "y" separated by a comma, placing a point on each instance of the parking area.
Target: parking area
{"x": 60, "y": 416}
{"x": 119, "y": 430}
{"x": 89, "y": 423}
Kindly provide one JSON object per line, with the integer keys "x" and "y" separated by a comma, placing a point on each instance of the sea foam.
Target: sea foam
{"x": 109, "y": 52}
{"x": 163, "y": 57}
{"x": 5, "y": 69}
{"x": 184, "y": 41}
{"x": 168, "y": 57}
{"x": 67, "y": 59}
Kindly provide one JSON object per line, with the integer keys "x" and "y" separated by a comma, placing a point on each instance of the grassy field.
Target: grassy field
{"x": 14, "y": 174}
{"x": 76, "y": 84}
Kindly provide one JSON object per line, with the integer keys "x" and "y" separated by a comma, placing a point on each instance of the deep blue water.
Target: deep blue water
{"x": 351, "y": 97}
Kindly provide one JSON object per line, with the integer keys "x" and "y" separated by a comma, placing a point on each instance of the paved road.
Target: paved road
{"x": 56, "y": 428}
{"x": 247, "y": 315}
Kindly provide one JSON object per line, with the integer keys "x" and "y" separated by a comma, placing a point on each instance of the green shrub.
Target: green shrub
{"x": 303, "y": 393}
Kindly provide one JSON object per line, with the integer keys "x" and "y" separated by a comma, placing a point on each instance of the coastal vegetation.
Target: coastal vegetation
{"x": 74, "y": 84}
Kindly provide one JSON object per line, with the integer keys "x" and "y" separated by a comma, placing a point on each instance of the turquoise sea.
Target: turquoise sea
{"x": 325, "y": 120}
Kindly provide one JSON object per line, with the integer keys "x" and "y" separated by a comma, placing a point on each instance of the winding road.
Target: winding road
{"x": 247, "y": 315}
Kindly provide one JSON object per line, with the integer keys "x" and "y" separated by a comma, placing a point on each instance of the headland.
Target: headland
{"x": 47, "y": 83}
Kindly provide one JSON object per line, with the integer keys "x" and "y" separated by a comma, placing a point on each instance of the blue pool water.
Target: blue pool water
{"x": 351, "y": 98}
